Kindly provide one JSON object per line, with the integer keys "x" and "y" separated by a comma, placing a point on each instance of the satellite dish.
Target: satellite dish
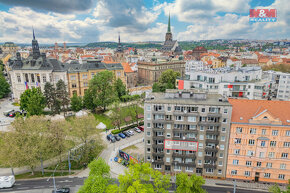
{"x": 185, "y": 111}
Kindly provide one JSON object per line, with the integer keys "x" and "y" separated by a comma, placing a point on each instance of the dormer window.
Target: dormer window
{"x": 265, "y": 117}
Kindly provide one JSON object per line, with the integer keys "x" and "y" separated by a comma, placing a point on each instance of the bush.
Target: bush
{"x": 126, "y": 98}
{"x": 116, "y": 131}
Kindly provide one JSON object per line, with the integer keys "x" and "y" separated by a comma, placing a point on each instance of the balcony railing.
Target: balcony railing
{"x": 212, "y": 141}
{"x": 212, "y": 132}
{"x": 210, "y": 149}
{"x": 158, "y": 138}
{"x": 210, "y": 158}
{"x": 209, "y": 166}
{"x": 160, "y": 154}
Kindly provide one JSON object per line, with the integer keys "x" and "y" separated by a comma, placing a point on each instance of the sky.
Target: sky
{"x": 85, "y": 21}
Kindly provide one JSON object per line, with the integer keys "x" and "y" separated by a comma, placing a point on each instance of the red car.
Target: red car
{"x": 141, "y": 128}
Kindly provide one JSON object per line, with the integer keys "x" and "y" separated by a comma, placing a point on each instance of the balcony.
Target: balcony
{"x": 158, "y": 138}
{"x": 209, "y": 166}
{"x": 190, "y": 164}
{"x": 178, "y": 163}
{"x": 201, "y": 123}
{"x": 210, "y": 149}
{"x": 215, "y": 141}
{"x": 158, "y": 146}
{"x": 160, "y": 154}
{"x": 214, "y": 114}
{"x": 212, "y": 132}
{"x": 158, "y": 120}
{"x": 158, "y": 161}
{"x": 210, "y": 158}
{"x": 157, "y": 129}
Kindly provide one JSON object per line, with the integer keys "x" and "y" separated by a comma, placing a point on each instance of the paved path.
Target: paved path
{"x": 5, "y": 105}
{"x": 111, "y": 151}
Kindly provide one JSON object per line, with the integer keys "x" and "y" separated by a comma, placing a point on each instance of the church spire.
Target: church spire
{"x": 169, "y": 27}
{"x": 35, "y": 47}
{"x": 119, "y": 41}
{"x": 33, "y": 33}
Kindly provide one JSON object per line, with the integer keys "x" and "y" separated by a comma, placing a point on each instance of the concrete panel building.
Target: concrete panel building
{"x": 187, "y": 131}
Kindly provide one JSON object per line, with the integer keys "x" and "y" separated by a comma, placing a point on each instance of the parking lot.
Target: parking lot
{"x": 115, "y": 138}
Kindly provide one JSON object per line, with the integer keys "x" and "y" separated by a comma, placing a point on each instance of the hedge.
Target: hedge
{"x": 116, "y": 131}
{"x": 126, "y": 98}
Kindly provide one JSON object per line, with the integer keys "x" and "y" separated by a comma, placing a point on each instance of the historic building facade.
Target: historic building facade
{"x": 259, "y": 145}
{"x": 187, "y": 131}
{"x": 34, "y": 71}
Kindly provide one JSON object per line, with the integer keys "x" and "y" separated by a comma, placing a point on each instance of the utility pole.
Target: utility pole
{"x": 54, "y": 186}
{"x": 69, "y": 164}
{"x": 234, "y": 185}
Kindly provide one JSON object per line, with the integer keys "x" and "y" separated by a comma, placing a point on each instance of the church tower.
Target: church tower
{"x": 168, "y": 36}
{"x": 35, "y": 48}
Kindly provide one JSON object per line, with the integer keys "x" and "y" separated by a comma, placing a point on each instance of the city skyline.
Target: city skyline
{"x": 93, "y": 21}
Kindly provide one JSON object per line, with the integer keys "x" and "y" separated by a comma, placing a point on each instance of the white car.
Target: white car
{"x": 7, "y": 181}
{"x": 131, "y": 132}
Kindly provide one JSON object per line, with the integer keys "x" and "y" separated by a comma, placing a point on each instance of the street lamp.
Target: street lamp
{"x": 54, "y": 187}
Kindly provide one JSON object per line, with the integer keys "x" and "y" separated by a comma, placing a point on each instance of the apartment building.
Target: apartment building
{"x": 259, "y": 144}
{"x": 187, "y": 131}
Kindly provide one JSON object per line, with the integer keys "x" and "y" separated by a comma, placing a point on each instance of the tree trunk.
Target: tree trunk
{"x": 32, "y": 170}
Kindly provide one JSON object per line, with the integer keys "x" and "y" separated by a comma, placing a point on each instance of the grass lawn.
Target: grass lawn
{"x": 104, "y": 119}
{"x": 130, "y": 147}
{"x": 38, "y": 174}
{"x": 16, "y": 104}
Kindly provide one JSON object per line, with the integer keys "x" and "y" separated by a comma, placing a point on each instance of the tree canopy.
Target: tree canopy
{"x": 120, "y": 88}
{"x": 167, "y": 80}
{"x": 33, "y": 101}
{"x": 188, "y": 184}
{"x": 76, "y": 103}
{"x": 4, "y": 86}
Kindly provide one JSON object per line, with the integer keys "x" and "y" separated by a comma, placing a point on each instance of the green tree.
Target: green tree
{"x": 276, "y": 189}
{"x": 4, "y": 86}
{"x": 167, "y": 80}
{"x": 137, "y": 179}
{"x": 76, "y": 103}
{"x": 88, "y": 101}
{"x": 120, "y": 88}
{"x": 33, "y": 101}
{"x": 51, "y": 100}
{"x": 98, "y": 179}
{"x": 117, "y": 115}
{"x": 188, "y": 184}
{"x": 102, "y": 89}
{"x": 62, "y": 95}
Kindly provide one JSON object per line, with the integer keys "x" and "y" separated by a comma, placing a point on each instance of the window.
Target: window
{"x": 86, "y": 84}
{"x": 267, "y": 175}
{"x": 271, "y": 154}
{"x": 235, "y": 162}
{"x": 18, "y": 77}
{"x": 247, "y": 173}
{"x": 220, "y": 163}
{"x": 201, "y": 137}
{"x": 284, "y": 155}
{"x": 262, "y": 154}
{"x": 269, "y": 165}
{"x": 73, "y": 85}
{"x": 252, "y": 131}
{"x": 251, "y": 142}
{"x": 282, "y": 166}
{"x": 223, "y": 129}
{"x": 85, "y": 76}
{"x": 272, "y": 143}
{"x": 248, "y": 163}
{"x": 179, "y": 118}
{"x": 44, "y": 78}
{"x": 168, "y": 151}
{"x": 73, "y": 77}
{"x": 274, "y": 132}
{"x": 221, "y": 155}
{"x": 250, "y": 153}
{"x": 259, "y": 164}
{"x": 189, "y": 169}
{"x": 199, "y": 162}
{"x": 92, "y": 74}
{"x": 118, "y": 74}
{"x": 237, "y": 151}
{"x": 286, "y": 144}
{"x": 209, "y": 170}
{"x": 225, "y": 111}
{"x": 148, "y": 150}
{"x": 263, "y": 143}
{"x": 148, "y": 125}
{"x": 168, "y": 159}
{"x": 222, "y": 147}
{"x": 199, "y": 154}
{"x": 225, "y": 120}
{"x": 168, "y": 135}
{"x": 158, "y": 166}
{"x": 191, "y": 119}
{"x": 38, "y": 78}
{"x": 223, "y": 138}
{"x": 148, "y": 133}
{"x": 148, "y": 108}
{"x": 234, "y": 172}
{"x": 148, "y": 116}
{"x": 281, "y": 176}
{"x": 238, "y": 140}
{"x": 263, "y": 131}
{"x": 32, "y": 78}
{"x": 169, "y": 109}
{"x": 202, "y": 110}
{"x": 200, "y": 145}
{"x": 288, "y": 133}
{"x": 168, "y": 126}
{"x": 239, "y": 129}
{"x": 219, "y": 171}
{"x": 148, "y": 142}
{"x": 177, "y": 167}
{"x": 201, "y": 128}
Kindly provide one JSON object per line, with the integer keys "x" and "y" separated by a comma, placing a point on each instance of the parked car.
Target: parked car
{"x": 62, "y": 190}
{"x": 131, "y": 133}
{"x": 141, "y": 128}
{"x": 7, "y": 181}
{"x": 6, "y": 113}
{"x": 122, "y": 135}
{"x": 117, "y": 137}
{"x": 137, "y": 130}
{"x": 126, "y": 133}
{"x": 14, "y": 113}
{"x": 111, "y": 138}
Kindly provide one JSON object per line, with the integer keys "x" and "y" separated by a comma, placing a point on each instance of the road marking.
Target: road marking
{"x": 64, "y": 181}
{"x": 37, "y": 187}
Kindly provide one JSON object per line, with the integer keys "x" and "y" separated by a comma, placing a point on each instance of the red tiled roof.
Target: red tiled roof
{"x": 249, "y": 108}
{"x": 127, "y": 67}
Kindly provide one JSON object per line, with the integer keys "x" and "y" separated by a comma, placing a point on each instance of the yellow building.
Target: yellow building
{"x": 79, "y": 75}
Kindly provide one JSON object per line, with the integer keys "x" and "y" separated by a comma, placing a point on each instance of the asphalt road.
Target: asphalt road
{"x": 38, "y": 184}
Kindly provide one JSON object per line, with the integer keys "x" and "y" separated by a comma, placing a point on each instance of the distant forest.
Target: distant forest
{"x": 210, "y": 45}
